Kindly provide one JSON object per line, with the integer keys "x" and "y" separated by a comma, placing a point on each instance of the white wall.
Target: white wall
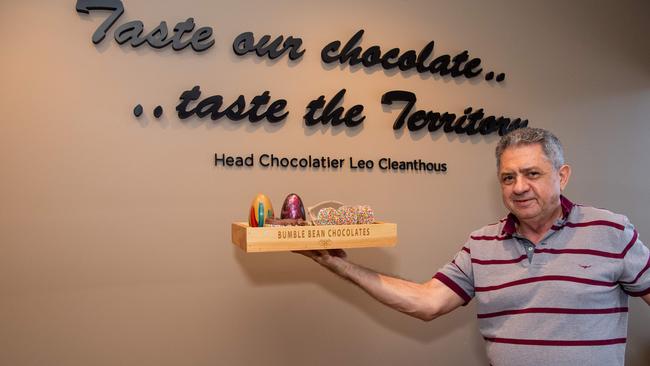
{"x": 115, "y": 231}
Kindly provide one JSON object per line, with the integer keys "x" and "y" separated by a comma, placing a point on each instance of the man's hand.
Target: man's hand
{"x": 332, "y": 259}
{"x": 323, "y": 255}
{"x": 319, "y": 253}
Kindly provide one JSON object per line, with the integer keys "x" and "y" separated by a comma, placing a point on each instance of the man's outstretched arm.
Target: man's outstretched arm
{"x": 425, "y": 301}
{"x": 646, "y": 298}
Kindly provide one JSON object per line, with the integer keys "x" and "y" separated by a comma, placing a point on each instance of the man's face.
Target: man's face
{"x": 530, "y": 185}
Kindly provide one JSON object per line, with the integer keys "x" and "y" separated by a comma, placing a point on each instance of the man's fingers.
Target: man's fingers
{"x": 311, "y": 253}
{"x": 337, "y": 253}
{"x": 321, "y": 256}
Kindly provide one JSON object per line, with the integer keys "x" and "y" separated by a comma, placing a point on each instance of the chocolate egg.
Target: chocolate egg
{"x": 261, "y": 209}
{"x": 292, "y": 208}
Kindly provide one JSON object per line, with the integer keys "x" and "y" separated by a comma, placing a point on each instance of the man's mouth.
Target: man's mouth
{"x": 523, "y": 202}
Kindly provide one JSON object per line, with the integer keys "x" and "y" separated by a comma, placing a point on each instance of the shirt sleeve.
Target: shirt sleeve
{"x": 458, "y": 275}
{"x": 635, "y": 276}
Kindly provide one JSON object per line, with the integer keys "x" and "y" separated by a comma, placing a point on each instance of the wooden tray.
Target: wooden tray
{"x": 287, "y": 238}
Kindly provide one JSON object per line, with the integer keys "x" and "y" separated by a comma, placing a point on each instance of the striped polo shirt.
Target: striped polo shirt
{"x": 563, "y": 301}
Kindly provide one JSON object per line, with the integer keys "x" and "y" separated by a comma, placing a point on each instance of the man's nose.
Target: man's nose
{"x": 521, "y": 185}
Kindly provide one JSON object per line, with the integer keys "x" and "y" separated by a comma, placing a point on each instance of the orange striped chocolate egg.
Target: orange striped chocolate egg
{"x": 261, "y": 209}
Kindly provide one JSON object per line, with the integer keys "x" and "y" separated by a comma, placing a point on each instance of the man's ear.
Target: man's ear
{"x": 565, "y": 174}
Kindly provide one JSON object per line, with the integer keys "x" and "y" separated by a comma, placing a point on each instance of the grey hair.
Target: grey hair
{"x": 551, "y": 145}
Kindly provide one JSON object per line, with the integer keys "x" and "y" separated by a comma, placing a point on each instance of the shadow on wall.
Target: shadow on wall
{"x": 262, "y": 270}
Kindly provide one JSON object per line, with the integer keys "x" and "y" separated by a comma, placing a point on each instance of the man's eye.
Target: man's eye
{"x": 533, "y": 174}
{"x": 507, "y": 179}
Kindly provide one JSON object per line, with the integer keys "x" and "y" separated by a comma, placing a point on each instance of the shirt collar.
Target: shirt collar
{"x": 510, "y": 227}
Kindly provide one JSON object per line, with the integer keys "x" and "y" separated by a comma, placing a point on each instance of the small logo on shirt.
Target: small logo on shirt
{"x": 585, "y": 266}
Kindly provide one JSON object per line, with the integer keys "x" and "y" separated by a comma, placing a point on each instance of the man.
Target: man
{"x": 551, "y": 279}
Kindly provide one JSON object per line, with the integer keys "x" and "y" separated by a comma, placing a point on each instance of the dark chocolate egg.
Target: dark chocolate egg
{"x": 293, "y": 208}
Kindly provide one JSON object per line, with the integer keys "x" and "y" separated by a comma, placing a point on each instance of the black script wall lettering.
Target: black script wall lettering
{"x": 132, "y": 31}
{"x": 235, "y": 111}
{"x": 347, "y": 54}
{"x": 157, "y": 38}
{"x": 332, "y": 114}
{"x": 245, "y": 43}
{"x": 85, "y": 6}
{"x": 201, "y": 35}
{"x": 465, "y": 124}
{"x": 351, "y": 53}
